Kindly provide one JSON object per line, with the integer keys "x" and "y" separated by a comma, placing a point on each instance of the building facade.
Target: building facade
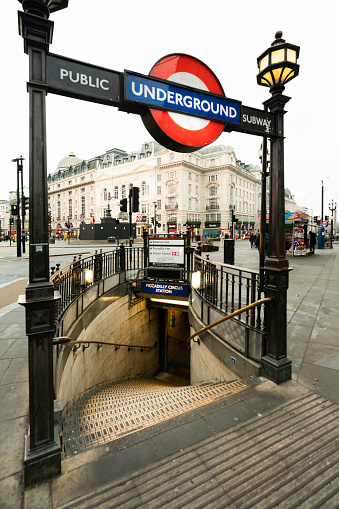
{"x": 178, "y": 191}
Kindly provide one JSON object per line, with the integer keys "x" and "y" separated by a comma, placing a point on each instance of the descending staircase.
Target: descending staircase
{"x": 112, "y": 411}
{"x": 287, "y": 457}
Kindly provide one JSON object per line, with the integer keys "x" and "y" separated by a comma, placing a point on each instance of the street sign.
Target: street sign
{"x": 195, "y": 91}
{"x": 324, "y": 224}
{"x": 254, "y": 121}
{"x": 178, "y": 290}
{"x": 79, "y": 80}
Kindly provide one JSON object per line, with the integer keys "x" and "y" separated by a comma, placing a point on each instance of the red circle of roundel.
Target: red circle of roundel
{"x": 184, "y": 139}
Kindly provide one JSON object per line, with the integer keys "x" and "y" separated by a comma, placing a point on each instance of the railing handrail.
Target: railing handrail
{"x": 66, "y": 340}
{"x": 220, "y": 264}
{"x": 231, "y": 315}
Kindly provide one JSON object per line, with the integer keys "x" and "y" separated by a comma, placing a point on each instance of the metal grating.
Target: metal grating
{"x": 112, "y": 411}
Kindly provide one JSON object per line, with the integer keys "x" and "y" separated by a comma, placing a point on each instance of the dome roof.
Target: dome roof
{"x": 68, "y": 161}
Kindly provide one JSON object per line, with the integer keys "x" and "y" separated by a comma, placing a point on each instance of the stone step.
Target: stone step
{"x": 286, "y": 458}
{"x": 112, "y": 411}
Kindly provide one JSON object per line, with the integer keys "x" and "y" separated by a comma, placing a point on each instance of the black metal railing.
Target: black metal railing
{"x": 229, "y": 288}
{"x": 76, "y": 278}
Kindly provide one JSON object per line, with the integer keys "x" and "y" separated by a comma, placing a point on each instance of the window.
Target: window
{"x": 123, "y": 191}
{"x": 159, "y": 204}
{"x": 159, "y": 161}
{"x": 105, "y": 194}
{"x": 116, "y": 192}
{"x": 59, "y": 210}
{"x": 143, "y": 208}
{"x": 130, "y": 186}
{"x": 70, "y": 193}
{"x": 213, "y": 178}
{"x": 83, "y": 206}
{"x": 82, "y": 179}
{"x": 212, "y": 162}
{"x": 82, "y": 189}
{"x": 70, "y": 212}
{"x": 213, "y": 191}
{"x": 159, "y": 177}
{"x": 189, "y": 188}
{"x": 189, "y": 175}
{"x": 159, "y": 190}
{"x": 143, "y": 188}
{"x": 69, "y": 182}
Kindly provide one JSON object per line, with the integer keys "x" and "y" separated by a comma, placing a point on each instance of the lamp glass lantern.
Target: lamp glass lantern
{"x": 278, "y": 64}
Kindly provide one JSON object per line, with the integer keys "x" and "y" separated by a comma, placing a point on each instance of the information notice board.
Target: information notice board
{"x": 167, "y": 252}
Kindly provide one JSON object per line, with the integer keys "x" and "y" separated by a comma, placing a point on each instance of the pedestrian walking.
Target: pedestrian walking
{"x": 252, "y": 240}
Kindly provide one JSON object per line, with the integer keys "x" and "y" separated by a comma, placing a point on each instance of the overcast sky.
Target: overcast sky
{"x": 227, "y": 35}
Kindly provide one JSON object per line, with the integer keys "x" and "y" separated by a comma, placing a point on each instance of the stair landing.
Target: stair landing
{"x": 112, "y": 411}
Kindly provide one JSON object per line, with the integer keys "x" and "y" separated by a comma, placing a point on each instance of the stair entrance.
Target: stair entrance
{"x": 174, "y": 351}
{"x": 112, "y": 411}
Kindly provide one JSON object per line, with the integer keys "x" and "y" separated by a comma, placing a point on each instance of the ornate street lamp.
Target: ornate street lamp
{"x": 42, "y": 458}
{"x": 277, "y": 65}
{"x": 333, "y": 208}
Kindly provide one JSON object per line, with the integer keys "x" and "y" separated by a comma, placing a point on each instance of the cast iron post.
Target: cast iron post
{"x": 42, "y": 458}
{"x": 276, "y": 366}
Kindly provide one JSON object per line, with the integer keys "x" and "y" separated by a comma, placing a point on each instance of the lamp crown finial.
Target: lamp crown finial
{"x": 278, "y": 38}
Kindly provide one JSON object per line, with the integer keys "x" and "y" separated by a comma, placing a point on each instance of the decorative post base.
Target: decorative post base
{"x": 42, "y": 463}
{"x": 278, "y": 371}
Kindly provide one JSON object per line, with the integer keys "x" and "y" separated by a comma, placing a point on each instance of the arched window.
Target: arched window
{"x": 83, "y": 206}
{"x": 143, "y": 188}
{"x": 116, "y": 192}
{"x": 105, "y": 194}
{"x": 123, "y": 191}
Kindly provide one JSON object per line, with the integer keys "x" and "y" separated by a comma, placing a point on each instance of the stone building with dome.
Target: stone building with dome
{"x": 194, "y": 190}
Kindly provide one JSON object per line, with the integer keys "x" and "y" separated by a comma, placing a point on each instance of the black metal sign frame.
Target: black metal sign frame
{"x": 80, "y": 80}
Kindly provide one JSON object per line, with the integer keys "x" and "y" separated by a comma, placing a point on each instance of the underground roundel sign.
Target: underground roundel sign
{"x": 189, "y": 106}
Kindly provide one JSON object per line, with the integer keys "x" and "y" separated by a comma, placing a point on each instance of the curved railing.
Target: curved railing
{"x": 83, "y": 273}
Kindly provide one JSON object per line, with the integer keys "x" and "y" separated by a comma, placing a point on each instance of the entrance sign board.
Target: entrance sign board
{"x": 165, "y": 289}
{"x": 166, "y": 252}
{"x": 172, "y": 97}
{"x": 182, "y": 132}
{"x": 79, "y": 80}
{"x": 254, "y": 121}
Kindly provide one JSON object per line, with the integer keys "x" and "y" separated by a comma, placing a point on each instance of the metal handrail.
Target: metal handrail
{"x": 231, "y": 315}
{"x": 66, "y": 340}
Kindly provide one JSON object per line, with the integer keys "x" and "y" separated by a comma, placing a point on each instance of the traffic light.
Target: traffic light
{"x": 135, "y": 199}
{"x": 234, "y": 219}
{"x": 152, "y": 220}
{"x": 158, "y": 224}
{"x": 11, "y": 221}
{"x": 14, "y": 210}
{"x": 327, "y": 218}
{"x": 25, "y": 204}
{"x": 123, "y": 205}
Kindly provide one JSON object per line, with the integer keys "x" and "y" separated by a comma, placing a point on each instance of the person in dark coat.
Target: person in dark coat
{"x": 252, "y": 239}
{"x": 313, "y": 240}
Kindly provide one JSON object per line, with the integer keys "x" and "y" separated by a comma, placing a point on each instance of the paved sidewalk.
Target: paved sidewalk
{"x": 313, "y": 347}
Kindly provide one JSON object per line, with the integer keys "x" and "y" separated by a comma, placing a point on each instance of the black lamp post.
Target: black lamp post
{"x": 263, "y": 156}
{"x": 42, "y": 458}
{"x": 332, "y": 206}
{"x": 277, "y": 65}
{"x": 19, "y": 194}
